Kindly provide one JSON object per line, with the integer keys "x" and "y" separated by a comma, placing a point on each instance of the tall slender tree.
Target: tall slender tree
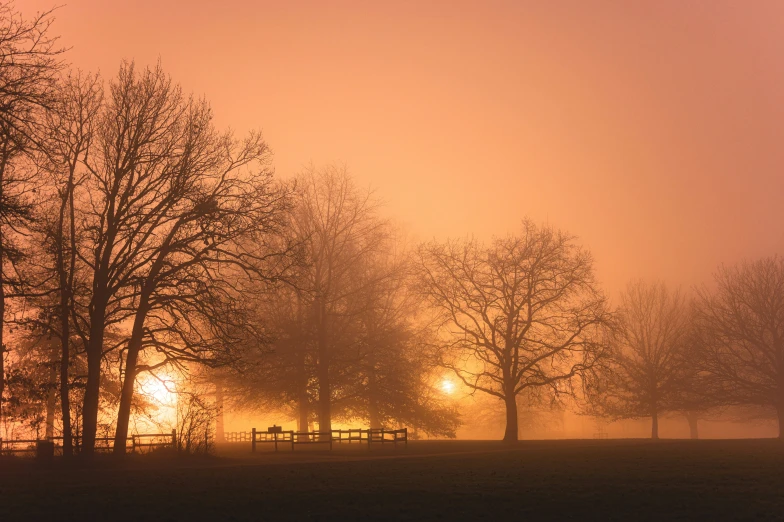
{"x": 68, "y": 134}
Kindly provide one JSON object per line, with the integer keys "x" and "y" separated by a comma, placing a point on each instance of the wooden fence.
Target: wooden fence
{"x": 149, "y": 441}
{"x": 138, "y": 443}
{"x": 237, "y": 436}
{"x": 292, "y": 438}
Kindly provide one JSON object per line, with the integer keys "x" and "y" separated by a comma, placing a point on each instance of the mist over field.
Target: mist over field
{"x": 356, "y": 242}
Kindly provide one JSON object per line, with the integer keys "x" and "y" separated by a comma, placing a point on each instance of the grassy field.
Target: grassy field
{"x": 460, "y": 480}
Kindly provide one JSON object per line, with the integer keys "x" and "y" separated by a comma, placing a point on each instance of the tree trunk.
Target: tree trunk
{"x": 66, "y": 284}
{"x": 373, "y": 413}
{"x": 93, "y": 384}
{"x": 51, "y": 394}
{"x": 126, "y": 399}
{"x": 693, "y": 419}
{"x": 131, "y": 360}
{"x": 3, "y": 163}
{"x": 65, "y": 400}
{"x": 325, "y": 392}
{"x": 654, "y": 424}
{"x": 303, "y": 402}
{"x": 91, "y": 401}
{"x": 135, "y": 343}
{"x": 220, "y": 431}
{"x": 511, "y": 433}
{"x": 302, "y": 420}
{"x": 303, "y": 406}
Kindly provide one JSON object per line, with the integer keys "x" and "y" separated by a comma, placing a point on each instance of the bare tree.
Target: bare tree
{"x": 645, "y": 374}
{"x": 522, "y": 312}
{"x": 339, "y": 227}
{"x": 29, "y": 63}
{"x": 394, "y": 380}
{"x": 135, "y": 140}
{"x": 173, "y": 214}
{"x": 283, "y": 376}
{"x": 67, "y": 136}
{"x": 215, "y": 237}
{"x": 378, "y": 373}
{"x": 740, "y": 337}
{"x": 158, "y": 181}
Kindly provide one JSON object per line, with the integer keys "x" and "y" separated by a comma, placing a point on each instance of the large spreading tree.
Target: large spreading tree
{"x": 521, "y": 312}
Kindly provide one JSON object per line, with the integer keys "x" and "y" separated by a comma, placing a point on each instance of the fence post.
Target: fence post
{"x": 174, "y": 439}
{"x": 405, "y": 434}
{"x": 253, "y": 440}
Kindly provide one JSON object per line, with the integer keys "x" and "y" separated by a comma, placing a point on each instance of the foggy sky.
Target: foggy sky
{"x": 653, "y": 130}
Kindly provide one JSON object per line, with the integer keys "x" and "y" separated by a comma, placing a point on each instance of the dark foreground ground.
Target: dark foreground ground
{"x": 542, "y": 480}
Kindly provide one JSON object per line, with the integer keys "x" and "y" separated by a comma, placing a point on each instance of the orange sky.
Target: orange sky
{"x": 653, "y": 130}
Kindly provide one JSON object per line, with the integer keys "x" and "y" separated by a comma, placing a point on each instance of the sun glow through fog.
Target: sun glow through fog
{"x": 160, "y": 389}
{"x": 447, "y": 386}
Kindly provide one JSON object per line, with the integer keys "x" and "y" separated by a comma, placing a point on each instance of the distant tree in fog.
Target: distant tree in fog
{"x": 740, "y": 337}
{"x": 280, "y": 375}
{"x": 30, "y": 383}
{"x": 339, "y": 228}
{"x": 395, "y": 383}
{"x": 347, "y": 323}
{"x": 646, "y": 373}
{"x": 523, "y": 312}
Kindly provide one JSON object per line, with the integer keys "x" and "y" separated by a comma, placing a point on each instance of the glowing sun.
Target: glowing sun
{"x": 160, "y": 388}
{"x": 447, "y": 386}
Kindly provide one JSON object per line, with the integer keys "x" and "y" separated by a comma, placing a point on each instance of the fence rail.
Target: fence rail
{"x": 141, "y": 441}
{"x": 237, "y": 436}
{"x": 368, "y": 436}
{"x": 102, "y": 444}
{"x": 13, "y": 446}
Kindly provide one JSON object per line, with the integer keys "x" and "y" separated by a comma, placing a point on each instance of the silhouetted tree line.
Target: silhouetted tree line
{"x": 136, "y": 236}
{"x": 718, "y": 351}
